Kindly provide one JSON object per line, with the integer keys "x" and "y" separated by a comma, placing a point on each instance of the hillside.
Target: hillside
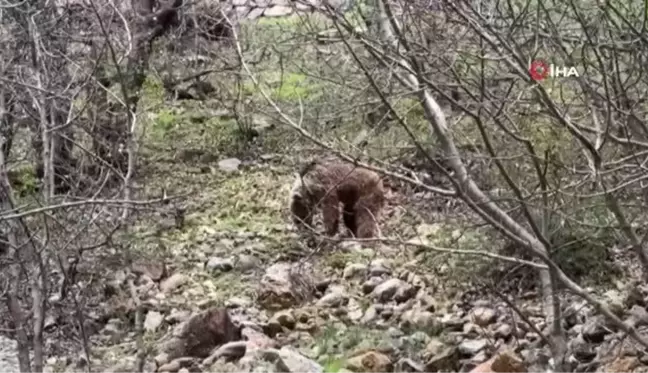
{"x": 149, "y": 156}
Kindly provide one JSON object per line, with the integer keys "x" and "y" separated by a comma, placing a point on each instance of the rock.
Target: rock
{"x": 177, "y": 364}
{"x": 452, "y": 322}
{"x": 152, "y": 321}
{"x": 418, "y": 320}
{"x": 434, "y": 347}
{"x": 247, "y": 262}
{"x": 405, "y": 293}
{"x": 112, "y": 286}
{"x": 427, "y": 302}
{"x": 471, "y": 347}
{"x": 639, "y": 315}
{"x": 355, "y": 311}
{"x": 409, "y": 365}
{"x": 615, "y": 302}
{"x": 229, "y": 351}
{"x": 370, "y": 315}
{"x": 582, "y": 351}
{"x": 483, "y": 316}
{"x": 113, "y": 329}
{"x": 370, "y": 361}
{"x": 284, "y": 318}
{"x": 471, "y": 330}
{"x": 289, "y": 360}
{"x": 237, "y": 302}
{"x": 503, "y": 331}
{"x": 284, "y": 286}
{"x": 229, "y": 164}
{"x": 155, "y": 270}
{"x": 255, "y": 13}
{"x": 173, "y": 282}
{"x": 202, "y": 332}
{"x": 257, "y": 340}
{"x": 354, "y": 270}
{"x": 277, "y": 11}
{"x": 594, "y": 330}
{"x": 392, "y": 289}
{"x": 378, "y": 268}
{"x": 446, "y": 361}
{"x": 125, "y": 367}
{"x": 369, "y": 285}
{"x": 574, "y": 314}
{"x": 504, "y": 362}
{"x": 219, "y": 264}
{"x": 350, "y": 247}
{"x": 161, "y": 359}
{"x": 335, "y": 298}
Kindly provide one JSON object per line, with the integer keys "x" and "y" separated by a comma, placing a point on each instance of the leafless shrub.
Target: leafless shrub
{"x": 71, "y": 79}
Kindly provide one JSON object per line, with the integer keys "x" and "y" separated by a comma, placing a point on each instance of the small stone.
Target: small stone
{"x": 583, "y": 351}
{"x": 229, "y": 164}
{"x": 387, "y": 290}
{"x": 238, "y": 302}
{"x": 161, "y": 359}
{"x": 370, "y": 361}
{"x": 452, "y": 322}
{"x": 483, "y": 316}
{"x": 173, "y": 366}
{"x": 639, "y": 315}
{"x": 254, "y": 13}
{"x": 409, "y": 365}
{"x": 369, "y": 285}
{"x": 277, "y": 11}
{"x": 219, "y": 264}
{"x": 418, "y": 320}
{"x": 503, "y": 331}
{"x": 173, "y": 282}
{"x": 434, "y": 347}
{"x": 229, "y": 351}
{"x": 594, "y": 330}
{"x": 471, "y": 330}
{"x": 335, "y": 298}
{"x": 445, "y": 361}
{"x": 284, "y": 318}
{"x": 153, "y": 269}
{"x": 247, "y": 262}
{"x": 378, "y": 268}
{"x": 354, "y": 270}
{"x": 471, "y": 347}
{"x": 615, "y": 302}
{"x": 355, "y": 311}
{"x": 152, "y": 321}
{"x": 370, "y": 315}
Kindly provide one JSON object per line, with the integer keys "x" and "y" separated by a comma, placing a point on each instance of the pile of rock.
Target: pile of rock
{"x": 252, "y": 9}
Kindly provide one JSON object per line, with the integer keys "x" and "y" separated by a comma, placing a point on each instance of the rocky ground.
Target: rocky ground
{"x": 233, "y": 291}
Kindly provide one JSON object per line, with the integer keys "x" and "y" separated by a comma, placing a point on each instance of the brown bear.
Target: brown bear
{"x": 328, "y": 182}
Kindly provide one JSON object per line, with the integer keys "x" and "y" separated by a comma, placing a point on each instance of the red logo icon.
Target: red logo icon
{"x": 538, "y": 70}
